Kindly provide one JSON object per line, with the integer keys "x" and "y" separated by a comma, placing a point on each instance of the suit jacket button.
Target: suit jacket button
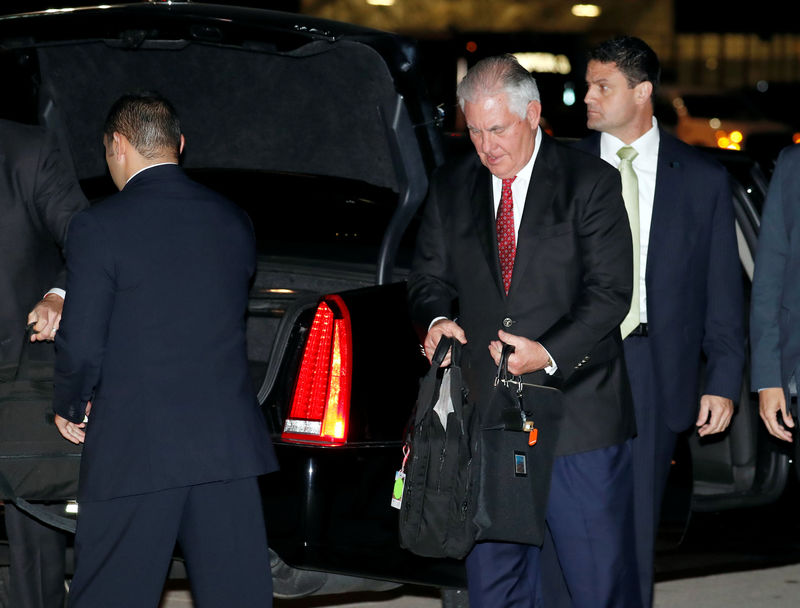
{"x": 508, "y": 322}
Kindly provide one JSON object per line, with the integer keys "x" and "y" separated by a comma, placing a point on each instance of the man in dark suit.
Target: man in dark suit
{"x": 152, "y": 348}
{"x": 774, "y": 335}
{"x": 688, "y": 284}
{"x": 38, "y": 196}
{"x": 527, "y": 243}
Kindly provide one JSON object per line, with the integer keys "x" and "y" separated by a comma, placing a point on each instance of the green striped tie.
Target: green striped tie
{"x": 630, "y": 192}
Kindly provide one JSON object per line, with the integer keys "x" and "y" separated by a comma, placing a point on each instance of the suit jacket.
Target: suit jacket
{"x": 775, "y": 302}
{"x": 38, "y": 196}
{"x": 693, "y": 280}
{"x": 570, "y": 289}
{"x": 153, "y": 333}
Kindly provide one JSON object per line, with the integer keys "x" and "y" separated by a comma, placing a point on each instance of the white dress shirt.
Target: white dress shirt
{"x": 519, "y": 188}
{"x": 645, "y": 166}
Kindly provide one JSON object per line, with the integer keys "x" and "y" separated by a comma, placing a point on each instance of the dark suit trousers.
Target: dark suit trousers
{"x": 589, "y": 516}
{"x": 36, "y": 561}
{"x": 653, "y": 447}
{"x": 124, "y": 545}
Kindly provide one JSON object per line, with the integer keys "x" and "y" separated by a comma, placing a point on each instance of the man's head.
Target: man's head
{"x": 621, "y": 78}
{"x": 501, "y": 105}
{"x": 141, "y": 129}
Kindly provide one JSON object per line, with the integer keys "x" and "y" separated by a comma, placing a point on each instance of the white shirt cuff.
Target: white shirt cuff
{"x": 550, "y": 369}
{"x": 58, "y": 291}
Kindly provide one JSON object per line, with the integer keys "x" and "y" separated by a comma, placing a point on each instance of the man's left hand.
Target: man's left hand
{"x": 528, "y": 356}
{"x": 71, "y": 431}
{"x": 46, "y": 316}
{"x": 76, "y": 433}
{"x": 715, "y": 415}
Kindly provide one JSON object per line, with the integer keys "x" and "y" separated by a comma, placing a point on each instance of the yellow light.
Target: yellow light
{"x": 544, "y": 63}
{"x": 733, "y": 146}
{"x": 736, "y": 137}
{"x": 723, "y": 142}
{"x": 277, "y": 290}
{"x": 380, "y": 2}
{"x": 796, "y": 138}
{"x": 586, "y": 10}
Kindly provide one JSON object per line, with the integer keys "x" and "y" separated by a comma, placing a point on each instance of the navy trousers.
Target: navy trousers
{"x": 589, "y": 516}
{"x": 123, "y": 547}
{"x": 653, "y": 447}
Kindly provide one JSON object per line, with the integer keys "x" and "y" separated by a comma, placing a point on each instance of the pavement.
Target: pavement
{"x": 767, "y": 588}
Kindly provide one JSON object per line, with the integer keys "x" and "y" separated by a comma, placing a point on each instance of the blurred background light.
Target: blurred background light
{"x": 547, "y": 63}
{"x": 586, "y": 10}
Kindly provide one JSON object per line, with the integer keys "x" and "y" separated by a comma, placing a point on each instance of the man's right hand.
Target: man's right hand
{"x": 443, "y": 327}
{"x": 770, "y": 402}
{"x": 45, "y": 317}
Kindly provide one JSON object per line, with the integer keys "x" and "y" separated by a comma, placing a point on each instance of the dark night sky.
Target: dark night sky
{"x": 763, "y": 17}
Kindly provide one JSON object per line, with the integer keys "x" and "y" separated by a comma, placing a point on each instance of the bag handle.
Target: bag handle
{"x": 442, "y": 348}
{"x": 502, "y": 367}
{"x": 445, "y": 342}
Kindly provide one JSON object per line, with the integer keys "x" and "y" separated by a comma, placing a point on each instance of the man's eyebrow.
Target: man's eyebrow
{"x": 491, "y": 128}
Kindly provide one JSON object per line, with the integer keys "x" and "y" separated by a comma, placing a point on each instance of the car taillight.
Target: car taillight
{"x": 321, "y": 399}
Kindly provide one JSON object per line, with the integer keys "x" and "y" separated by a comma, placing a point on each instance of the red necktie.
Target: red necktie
{"x": 506, "y": 245}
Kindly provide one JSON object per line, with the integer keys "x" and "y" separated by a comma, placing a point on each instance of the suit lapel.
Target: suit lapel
{"x": 482, "y": 205}
{"x": 539, "y": 197}
{"x": 669, "y": 188}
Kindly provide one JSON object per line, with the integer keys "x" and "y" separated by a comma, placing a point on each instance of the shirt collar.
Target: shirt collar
{"x": 646, "y": 145}
{"x": 148, "y": 167}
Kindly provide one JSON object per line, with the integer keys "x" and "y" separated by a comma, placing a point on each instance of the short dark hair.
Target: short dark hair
{"x": 148, "y": 120}
{"x": 634, "y": 58}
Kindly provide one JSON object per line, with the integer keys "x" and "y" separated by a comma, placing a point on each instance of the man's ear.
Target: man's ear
{"x": 118, "y": 147}
{"x": 643, "y": 92}
{"x": 533, "y": 113}
{"x": 183, "y": 141}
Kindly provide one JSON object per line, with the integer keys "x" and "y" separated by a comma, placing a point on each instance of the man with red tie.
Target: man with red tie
{"x": 529, "y": 244}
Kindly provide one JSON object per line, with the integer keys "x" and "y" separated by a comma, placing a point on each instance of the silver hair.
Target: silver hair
{"x": 497, "y": 75}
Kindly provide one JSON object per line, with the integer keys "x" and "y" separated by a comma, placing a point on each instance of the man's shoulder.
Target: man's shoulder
{"x": 675, "y": 151}
{"x": 17, "y": 138}
{"x": 789, "y": 155}
{"x": 577, "y": 156}
{"x": 9, "y": 127}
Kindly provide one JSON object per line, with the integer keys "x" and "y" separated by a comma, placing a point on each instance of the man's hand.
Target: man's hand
{"x": 70, "y": 431}
{"x": 443, "y": 327}
{"x": 770, "y": 402}
{"x": 46, "y": 316}
{"x": 715, "y": 415}
{"x": 528, "y": 356}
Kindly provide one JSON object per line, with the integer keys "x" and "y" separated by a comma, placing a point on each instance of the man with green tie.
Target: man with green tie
{"x": 687, "y": 280}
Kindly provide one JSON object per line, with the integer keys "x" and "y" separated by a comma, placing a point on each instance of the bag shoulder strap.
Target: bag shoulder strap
{"x": 37, "y": 511}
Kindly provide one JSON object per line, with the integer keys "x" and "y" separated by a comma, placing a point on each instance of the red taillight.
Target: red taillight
{"x": 321, "y": 400}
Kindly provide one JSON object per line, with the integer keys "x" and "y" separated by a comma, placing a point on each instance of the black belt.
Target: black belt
{"x": 639, "y": 330}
